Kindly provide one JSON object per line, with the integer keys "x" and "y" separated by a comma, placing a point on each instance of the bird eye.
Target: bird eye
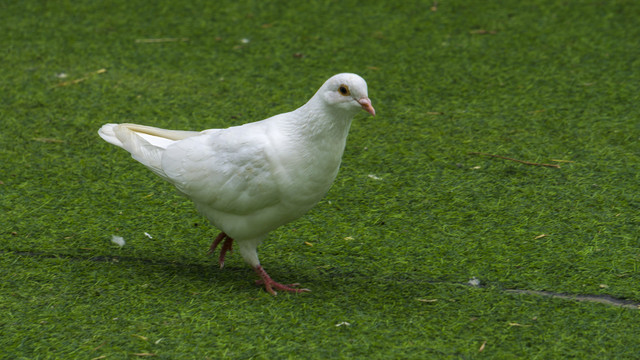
{"x": 344, "y": 90}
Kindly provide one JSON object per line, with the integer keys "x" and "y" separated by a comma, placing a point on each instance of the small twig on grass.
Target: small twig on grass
{"x": 99, "y": 346}
{"x": 71, "y": 82}
{"x": 47, "y": 140}
{"x": 516, "y": 160}
{"x": 161, "y": 40}
{"x": 140, "y": 337}
{"x": 482, "y": 32}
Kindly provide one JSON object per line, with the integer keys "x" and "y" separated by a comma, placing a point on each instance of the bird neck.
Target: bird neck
{"x": 317, "y": 122}
{"x": 315, "y": 142}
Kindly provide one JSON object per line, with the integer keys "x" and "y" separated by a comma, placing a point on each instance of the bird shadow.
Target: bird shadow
{"x": 193, "y": 271}
{"x": 197, "y": 271}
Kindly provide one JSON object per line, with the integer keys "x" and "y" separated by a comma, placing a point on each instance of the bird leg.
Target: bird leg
{"x": 270, "y": 284}
{"x": 227, "y": 245}
{"x": 265, "y": 279}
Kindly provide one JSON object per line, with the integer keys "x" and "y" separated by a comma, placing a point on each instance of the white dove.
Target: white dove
{"x": 250, "y": 179}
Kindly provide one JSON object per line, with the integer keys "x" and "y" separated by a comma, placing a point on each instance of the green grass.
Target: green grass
{"x": 537, "y": 81}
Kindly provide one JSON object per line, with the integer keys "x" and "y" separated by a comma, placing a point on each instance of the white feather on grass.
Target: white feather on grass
{"x": 474, "y": 281}
{"x": 118, "y": 240}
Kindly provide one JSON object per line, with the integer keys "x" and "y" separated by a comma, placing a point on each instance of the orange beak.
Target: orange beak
{"x": 366, "y": 106}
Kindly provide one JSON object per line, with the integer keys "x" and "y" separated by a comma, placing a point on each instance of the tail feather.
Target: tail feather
{"x": 145, "y": 143}
{"x": 162, "y": 133}
{"x": 107, "y": 134}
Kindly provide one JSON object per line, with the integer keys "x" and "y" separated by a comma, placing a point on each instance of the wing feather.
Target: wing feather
{"x": 223, "y": 171}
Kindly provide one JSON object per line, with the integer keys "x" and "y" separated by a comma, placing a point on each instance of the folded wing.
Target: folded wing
{"x": 224, "y": 171}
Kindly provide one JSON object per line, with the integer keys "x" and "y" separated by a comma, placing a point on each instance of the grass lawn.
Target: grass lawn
{"x": 412, "y": 218}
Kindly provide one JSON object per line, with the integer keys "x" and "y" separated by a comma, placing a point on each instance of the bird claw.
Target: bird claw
{"x": 270, "y": 284}
{"x": 227, "y": 245}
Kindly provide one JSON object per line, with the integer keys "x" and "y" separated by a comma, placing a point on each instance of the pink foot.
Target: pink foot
{"x": 269, "y": 284}
{"x": 227, "y": 245}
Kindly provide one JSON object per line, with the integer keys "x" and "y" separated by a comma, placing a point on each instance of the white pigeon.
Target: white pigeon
{"x": 250, "y": 179}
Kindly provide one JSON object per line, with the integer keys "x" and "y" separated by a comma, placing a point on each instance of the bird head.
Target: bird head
{"x": 347, "y": 91}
